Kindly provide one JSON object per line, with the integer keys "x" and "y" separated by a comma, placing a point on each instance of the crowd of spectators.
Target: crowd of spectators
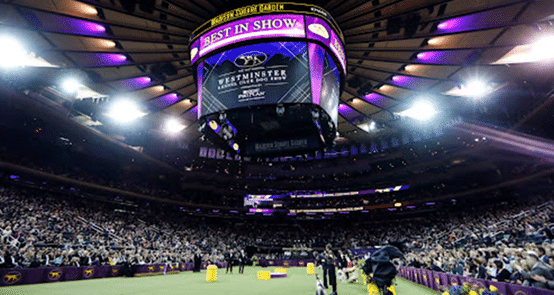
{"x": 512, "y": 243}
{"x": 41, "y": 228}
{"x": 506, "y": 241}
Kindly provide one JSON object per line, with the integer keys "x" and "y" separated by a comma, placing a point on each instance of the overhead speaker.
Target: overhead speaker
{"x": 411, "y": 24}
{"x": 394, "y": 24}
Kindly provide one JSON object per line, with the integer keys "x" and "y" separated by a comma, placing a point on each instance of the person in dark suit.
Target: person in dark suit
{"x": 330, "y": 263}
{"x": 538, "y": 268}
{"x": 502, "y": 275}
{"x": 197, "y": 259}
{"x": 242, "y": 261}
{"x": 229, "y": 258}
{"x": 9, "y": 261}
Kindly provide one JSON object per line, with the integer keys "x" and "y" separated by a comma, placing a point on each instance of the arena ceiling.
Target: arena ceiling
{"x": 397, "y": 51}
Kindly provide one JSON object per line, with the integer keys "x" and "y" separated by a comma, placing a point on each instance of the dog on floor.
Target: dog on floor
{"x": 320, "y": 289}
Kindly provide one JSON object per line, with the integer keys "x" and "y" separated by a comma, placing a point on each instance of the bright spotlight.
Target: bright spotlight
{"x": 542, "y": 49}
{"x": 477, "y": 88}
{"x": 12, "y": 53}
{"x": 71, "y": 85}
{"x": 372, "y": 125}
{"x": 125, "y": 111}
{"x": 367, "y": 127}
{"x": 421, "y": 110}
{"x": 173, "y": 126}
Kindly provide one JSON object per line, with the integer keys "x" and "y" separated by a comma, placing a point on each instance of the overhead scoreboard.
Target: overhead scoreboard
{"x": 269, "y": 78}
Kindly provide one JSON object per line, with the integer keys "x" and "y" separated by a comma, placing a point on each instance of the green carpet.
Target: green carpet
{"x": 297, "y": 282}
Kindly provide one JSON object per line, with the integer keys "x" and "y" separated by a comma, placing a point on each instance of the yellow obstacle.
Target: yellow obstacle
{"x": 373, "y": 290}
{"x": 280, "y": 270}
{"x": 310, "y": 268}
{"x": 211, "y": 273}
{"x": 264, "y": 275}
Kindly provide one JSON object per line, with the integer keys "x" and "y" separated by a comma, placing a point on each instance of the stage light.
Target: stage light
{"x": 12, "y": 53}
{"x": 372, "y": 125}
{"x": 421, "y": 110}
{"x": 173, "y": 126}
{"x": 71, "y": 85}
{"x": 236, "y": 146}
{"x": 367, "y": 127}
{"x": 477, "y": 88}
{"x": 542, "y": 49}
{"x": 125, "y": 111}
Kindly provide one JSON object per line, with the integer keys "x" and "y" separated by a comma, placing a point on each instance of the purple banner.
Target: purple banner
{"x": 271, "y": 26}
{"x": 442, "y": 281}
{"x": 26, "y": 276}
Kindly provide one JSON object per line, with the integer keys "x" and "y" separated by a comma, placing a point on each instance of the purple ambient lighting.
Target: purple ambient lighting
{"x": 463, "y": 23}
{"x": 143, "y": 80}
{"x": 475, "y": 21}
{"x": 400, "y": 78}
{"x": 215, "y": 211}
{"x": 344, "y": 212}
{"x": 197, "y": 210}
{"x": 391, "y": 209}
{"x": 132, "y": 84}
{"x": 365, "y": 211}
{"x": 291, "y": 214}
{"x": 428, "y": 55}
{"x": 443, "y": 57}
{"x": 14, "y": 177}
{"x": 328, "y": 213}
{"x": 410, "y": 207}
{"x": 50, "y": 22}
{"x": 430, "y": 204}
{"x": 96, "y": 27}
{"x": 411, "y": 82}
{"x": 234, "y": 211}
{"x": 164, "y": 101}
{"x": 379, "y": 100}
{"x": 81, "y": 26}
{"x": 109, "y": 58}
{"x": 310, "y": 213}
{"x": 447, "y": 24}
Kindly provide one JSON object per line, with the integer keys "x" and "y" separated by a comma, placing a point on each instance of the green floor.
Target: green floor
{"x": 297, "y": 282}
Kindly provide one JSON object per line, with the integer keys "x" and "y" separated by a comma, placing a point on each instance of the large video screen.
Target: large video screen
{"x": 325, "y": 80}
{"x": 266, "y": 73}
{"x": 296, "y": 26}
